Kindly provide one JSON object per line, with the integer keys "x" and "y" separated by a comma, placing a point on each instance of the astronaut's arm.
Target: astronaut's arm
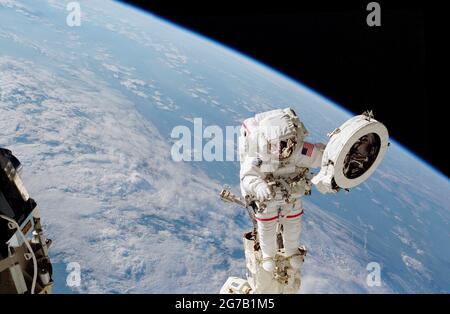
{"x": 252, "y": 179}
{"x": 310, "y": 155}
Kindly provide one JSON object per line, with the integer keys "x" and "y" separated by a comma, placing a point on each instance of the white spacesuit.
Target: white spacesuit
{"x": 275, "y": 173}
{"x": 275, "y": 162}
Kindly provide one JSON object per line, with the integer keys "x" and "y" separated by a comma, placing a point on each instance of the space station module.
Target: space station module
{"x": 25, "y": 267}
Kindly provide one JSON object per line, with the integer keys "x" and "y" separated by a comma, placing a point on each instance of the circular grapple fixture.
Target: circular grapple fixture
{"x": 353, "y": 153}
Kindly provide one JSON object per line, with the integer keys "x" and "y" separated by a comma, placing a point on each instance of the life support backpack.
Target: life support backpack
{"x": 256, "y": 132}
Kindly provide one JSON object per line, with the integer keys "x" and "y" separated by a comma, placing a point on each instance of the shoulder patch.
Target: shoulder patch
{"x": 307, "y": 149}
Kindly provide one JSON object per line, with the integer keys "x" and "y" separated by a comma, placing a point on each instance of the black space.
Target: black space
{"x": 165, "y": 303}
{"x": 328, "y": 46}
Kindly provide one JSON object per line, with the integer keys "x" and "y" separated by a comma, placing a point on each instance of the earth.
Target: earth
{"x": 90, "y": 109}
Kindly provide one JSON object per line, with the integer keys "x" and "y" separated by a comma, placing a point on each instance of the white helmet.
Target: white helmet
{"x": 281, "y": 133}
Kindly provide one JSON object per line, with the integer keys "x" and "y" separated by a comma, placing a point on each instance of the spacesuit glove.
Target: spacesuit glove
{"x": 263, "y": 192}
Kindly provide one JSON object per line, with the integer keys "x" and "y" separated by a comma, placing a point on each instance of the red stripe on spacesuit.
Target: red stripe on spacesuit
{"x": 245, "y": 126}
{"x": 267, "y": 219}
{"x": 296, "y": 215}
{"x": 275, "y": 217}
{"x": 307, "y": 149}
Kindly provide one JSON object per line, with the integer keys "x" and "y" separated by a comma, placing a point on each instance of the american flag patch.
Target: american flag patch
{"x": 307, "y": 149}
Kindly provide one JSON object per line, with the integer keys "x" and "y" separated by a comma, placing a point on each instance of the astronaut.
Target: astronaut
{"x": 275, "y": 173}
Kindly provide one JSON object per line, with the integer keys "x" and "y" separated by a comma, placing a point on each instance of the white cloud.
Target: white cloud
{"x": 109, "y": 193}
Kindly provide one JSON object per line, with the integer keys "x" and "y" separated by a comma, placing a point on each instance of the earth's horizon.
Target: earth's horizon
{"x": 89, "y": 111}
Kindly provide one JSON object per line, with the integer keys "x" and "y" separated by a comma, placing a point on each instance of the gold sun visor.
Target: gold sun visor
{"x": 283, "y": 149}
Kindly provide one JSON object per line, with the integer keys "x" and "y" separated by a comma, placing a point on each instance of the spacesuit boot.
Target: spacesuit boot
{"x": 268, "y": 264}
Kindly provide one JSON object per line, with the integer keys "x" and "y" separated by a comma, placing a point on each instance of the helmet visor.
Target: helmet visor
{"x": 282, "y": 149}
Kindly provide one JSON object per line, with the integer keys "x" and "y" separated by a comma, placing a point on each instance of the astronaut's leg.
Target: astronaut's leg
{"x": 267, "y": 225}
{"x": 292, "y": 218}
